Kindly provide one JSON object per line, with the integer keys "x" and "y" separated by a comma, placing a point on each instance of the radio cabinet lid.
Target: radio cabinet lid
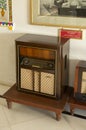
{"x": 81, "y": 64}
{"x": 40, "y": 40}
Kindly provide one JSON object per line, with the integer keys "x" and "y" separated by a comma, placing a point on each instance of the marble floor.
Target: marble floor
{"x": 21, "y": 117}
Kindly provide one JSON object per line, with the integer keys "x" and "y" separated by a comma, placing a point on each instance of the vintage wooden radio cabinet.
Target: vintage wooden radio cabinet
{"x": 78, "y": 99}
{"x": 42, "y": 65}
{"x": 80, "y": 81}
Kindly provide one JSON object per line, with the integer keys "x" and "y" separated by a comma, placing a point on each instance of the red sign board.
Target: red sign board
{"x": 75, "y": 34}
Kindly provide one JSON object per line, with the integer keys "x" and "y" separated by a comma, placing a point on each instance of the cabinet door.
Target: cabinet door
{"x": 47, "y": 83}
{"x": 26, "y": 78}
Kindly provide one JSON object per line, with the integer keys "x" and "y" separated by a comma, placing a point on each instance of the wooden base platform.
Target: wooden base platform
{"x": 75, "y": 104}
{"x": 57, "y": 106}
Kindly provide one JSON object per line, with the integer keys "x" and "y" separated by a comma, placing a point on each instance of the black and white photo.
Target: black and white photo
{"x": 74, "y": 8}
{"x": 59, "y": 13}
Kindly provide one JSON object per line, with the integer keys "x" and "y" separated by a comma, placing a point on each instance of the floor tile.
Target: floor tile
{"x": 5, "y": 128}
{"x": 3, "y": 89}
{"x": 3, "y": 102}
{"x": 43, "y": 124}
{"x": 75, "y": 122}
{"x": 21, "y": 113}
{"x": 21, "y": 117}
{"x": 3, "y": 119}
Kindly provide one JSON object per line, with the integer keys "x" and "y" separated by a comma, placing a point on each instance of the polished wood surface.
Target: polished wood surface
{"x": 44, "y": 41}
{"x": 50, "y": 48}
{"x": 76, "y": 104}
{"x": 80, "y": 78}
{"x": 39, "y": 53}
{"x": 57, "y": 106}
{"x": 45, "y": 48}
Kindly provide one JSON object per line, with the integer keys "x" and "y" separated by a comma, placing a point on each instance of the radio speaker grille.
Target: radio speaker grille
{"x": 47, "y": 83}
{"x": 37, "y": 81}
{"x": 26, "y": 79}
{"x": 83, "y": 84}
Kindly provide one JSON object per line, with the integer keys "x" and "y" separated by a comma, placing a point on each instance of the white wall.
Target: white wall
{"x": 21, "y": 13}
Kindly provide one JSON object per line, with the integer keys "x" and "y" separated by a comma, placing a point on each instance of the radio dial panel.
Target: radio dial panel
{"x": 37, "y": 63}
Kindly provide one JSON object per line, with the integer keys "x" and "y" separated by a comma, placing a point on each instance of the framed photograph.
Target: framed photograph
{"x": 61, "y": 13}
{"x": 5, "y": 12}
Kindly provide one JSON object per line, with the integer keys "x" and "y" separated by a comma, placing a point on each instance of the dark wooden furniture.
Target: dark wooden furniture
{"x": 12, "y": 95}
{"x": 78, "y": 98}
{"x": 75, "y": 104}
{"x": 80, "y": 81}
{"x": 42, "y": 65}
{"x": 42, "y": 73}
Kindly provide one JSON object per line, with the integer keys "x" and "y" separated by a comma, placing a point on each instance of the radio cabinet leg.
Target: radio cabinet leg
{"x": 58, "y": 115}
{"x": 9, "y": 103}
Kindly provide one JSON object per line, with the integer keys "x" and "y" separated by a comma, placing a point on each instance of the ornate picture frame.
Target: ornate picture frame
{"x": 50, "y": 13}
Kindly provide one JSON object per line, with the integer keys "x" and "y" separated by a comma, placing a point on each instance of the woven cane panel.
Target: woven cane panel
{"x": 83, "y": 85}
{"x": 36, "y": 81}
{"x": 84, "y": 75}
{"x": 26, "y": 79}
{"x": 47, "y": 83}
